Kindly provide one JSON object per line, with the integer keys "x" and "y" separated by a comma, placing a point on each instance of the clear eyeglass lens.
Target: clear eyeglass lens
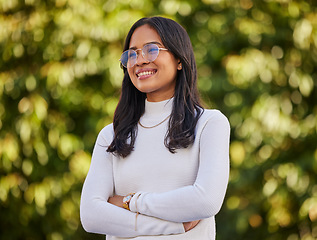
{"x": 150, "y": 52}
{"x": 132, "y": 58}
{"x": 129, "y": 58}
{"x": 124, "y": 58}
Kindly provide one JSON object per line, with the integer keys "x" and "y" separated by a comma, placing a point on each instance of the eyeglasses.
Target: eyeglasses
{"x": 149, "y": 52}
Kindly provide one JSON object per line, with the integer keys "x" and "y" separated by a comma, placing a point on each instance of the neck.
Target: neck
{"x": 154, "y": 97}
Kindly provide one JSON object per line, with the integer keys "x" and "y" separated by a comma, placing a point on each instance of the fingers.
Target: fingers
{"x": 190, "y": 225}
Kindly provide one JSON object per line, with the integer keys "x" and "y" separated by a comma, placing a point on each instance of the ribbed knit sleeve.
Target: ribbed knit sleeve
{"x": 99, "y": 216}
{"x": 204, "y": 198}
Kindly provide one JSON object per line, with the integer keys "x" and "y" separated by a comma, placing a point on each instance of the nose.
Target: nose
{"x": 140, "y": 60}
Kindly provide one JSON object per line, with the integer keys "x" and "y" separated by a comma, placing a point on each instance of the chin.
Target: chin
{"x": 144, "y": 89}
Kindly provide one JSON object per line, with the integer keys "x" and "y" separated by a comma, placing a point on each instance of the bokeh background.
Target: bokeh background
{"x": 60, "y": 81}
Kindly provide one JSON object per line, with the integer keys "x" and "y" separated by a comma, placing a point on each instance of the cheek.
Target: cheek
{"x": 171, "y": 68}
{"x": 167, "y": 64}
{"x": 172, "y": 63}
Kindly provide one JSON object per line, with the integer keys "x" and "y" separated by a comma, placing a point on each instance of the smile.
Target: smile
{"x": 145, "y": 74}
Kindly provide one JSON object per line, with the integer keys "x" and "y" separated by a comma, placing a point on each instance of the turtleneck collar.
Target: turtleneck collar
{"x": 153, "y": 109}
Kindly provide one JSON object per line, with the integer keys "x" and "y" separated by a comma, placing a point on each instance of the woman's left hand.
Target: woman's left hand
{"x": 190, "y": 225}
{"x": 116, "y": 200}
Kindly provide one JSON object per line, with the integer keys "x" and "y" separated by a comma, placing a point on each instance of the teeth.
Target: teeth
{"x": 145, "y": 73}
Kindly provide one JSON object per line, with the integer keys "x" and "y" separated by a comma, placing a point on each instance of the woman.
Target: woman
{"x": 160, "y": 171}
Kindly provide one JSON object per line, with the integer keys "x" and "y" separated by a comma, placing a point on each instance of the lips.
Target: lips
{"x": 145, "y": 73}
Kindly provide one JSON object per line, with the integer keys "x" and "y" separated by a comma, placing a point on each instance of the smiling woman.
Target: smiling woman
{"x": 160, "y": 73}
{"x": 160, "y": 171}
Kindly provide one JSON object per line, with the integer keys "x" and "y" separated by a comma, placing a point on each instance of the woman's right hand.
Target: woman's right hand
{"x": 190, "y": 225}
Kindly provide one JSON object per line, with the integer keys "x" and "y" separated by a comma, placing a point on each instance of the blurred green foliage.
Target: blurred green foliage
{"x": 60, "y": 81}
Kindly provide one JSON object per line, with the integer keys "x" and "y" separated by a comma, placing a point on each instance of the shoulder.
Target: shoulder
{"x": 213, "y": 117}
{"x": 106, "y": 135}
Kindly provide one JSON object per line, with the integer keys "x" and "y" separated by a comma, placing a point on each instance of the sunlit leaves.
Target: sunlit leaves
{"x": 250, "y": 66}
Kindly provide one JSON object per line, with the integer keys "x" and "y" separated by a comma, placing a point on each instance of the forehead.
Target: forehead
{"x": 143, "y": 35}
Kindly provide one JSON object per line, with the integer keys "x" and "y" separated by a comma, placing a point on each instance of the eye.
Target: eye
{"x": 132, "y": 54}
{"x": 152, "y": 49}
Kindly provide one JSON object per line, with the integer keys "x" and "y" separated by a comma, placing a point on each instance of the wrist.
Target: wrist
{"x": 126, "y": 201}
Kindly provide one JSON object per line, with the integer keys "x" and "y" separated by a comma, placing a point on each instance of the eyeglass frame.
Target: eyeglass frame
{"x": 143, "y": 54}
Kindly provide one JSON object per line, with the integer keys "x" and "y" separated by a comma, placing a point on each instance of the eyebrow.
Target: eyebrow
{"x": 154, "y": 42}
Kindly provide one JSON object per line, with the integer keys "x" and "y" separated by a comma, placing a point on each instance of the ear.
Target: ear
{"x": 179, "y": 66}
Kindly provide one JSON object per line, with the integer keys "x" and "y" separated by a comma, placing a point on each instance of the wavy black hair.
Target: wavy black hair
{"x": 186, "y": 106}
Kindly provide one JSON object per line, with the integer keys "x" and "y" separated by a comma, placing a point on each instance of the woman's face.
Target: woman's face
{"x": 158, "y": 78}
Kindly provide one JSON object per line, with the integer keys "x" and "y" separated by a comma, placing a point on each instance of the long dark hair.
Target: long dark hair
{"x": 186, "y": 106}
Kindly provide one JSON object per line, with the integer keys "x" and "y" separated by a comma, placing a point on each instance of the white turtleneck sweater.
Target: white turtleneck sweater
{"x": 170, "y": 188}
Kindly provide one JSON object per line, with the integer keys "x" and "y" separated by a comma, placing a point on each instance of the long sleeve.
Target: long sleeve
{"x": 204, "y": 198}
{"x": 99, "y": 216}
